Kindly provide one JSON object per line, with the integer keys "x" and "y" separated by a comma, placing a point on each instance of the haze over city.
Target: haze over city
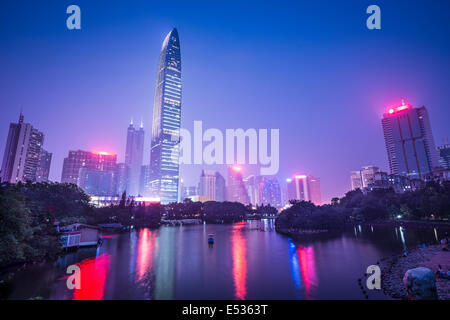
{"x": 312, "y": 71}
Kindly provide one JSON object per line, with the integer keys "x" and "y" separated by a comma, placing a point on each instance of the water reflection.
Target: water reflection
{"x": 303, "y": 269}
{"x": 93, "y": 277}
{"x": 239, "y": 252}
{"x": 146, "y": 247}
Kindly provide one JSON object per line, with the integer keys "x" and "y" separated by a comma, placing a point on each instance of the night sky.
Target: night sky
{"x": 309, "y": 68}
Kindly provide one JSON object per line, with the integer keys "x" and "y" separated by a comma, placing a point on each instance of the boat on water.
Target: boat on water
{"x": 210, "y": 238}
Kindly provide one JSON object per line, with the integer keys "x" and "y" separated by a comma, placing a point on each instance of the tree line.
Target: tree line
{"x": 430, "y": 202}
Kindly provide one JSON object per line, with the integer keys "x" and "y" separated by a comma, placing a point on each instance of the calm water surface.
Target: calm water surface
{"x": 249, "y": 260}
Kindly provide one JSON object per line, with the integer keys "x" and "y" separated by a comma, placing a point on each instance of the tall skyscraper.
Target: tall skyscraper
{"x": 165, "y": 153}
{"x": 133, "y": 157}
{"x": 43, "y": 170}
{"x": 22, "y": 153}
{"x": 409, "y": 141}
{"x": 306, "y": 188}
{"x": 94, "y": 161}
{"x": 236, "y": 190}
{"x": 444, "y": 156}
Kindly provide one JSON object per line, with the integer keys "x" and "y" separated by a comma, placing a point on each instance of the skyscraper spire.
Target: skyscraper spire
{"x": 142, "y": 124}
{"x": 131, "y": 122}
{"x": 21, "y": 117}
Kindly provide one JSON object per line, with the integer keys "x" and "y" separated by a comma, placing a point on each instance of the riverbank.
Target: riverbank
{"x": 393, "y": 269}
{"x": 429, "y": 224}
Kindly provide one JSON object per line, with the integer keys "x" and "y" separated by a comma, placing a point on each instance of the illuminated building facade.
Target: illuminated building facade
{"x": 236, "y": 190}
{"x": 164, "y": 153}
{"x": 409, "y": 141}
{"x": 22, "y": 155}
{"x": 133, "y": 158}
{"x": 271, "y": 193}
{"x": 305, "y": 188}
{"x": 444, "y": 156}
{"x": 93, "y": 161}
{"x": 45, "y": 160}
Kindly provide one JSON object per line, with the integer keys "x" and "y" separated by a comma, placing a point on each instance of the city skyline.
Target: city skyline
{"x": 357, "y": 99}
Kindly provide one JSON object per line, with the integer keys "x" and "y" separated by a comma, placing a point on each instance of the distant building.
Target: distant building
{"x": 305, "y": 188}
{"x": 43, "y": 170}
{"x": 254, "y": 186}
{"x": 97, "y": 183}
{"x": 189, "y": 193}
{"x": 368, "y": 175}
{"x": 133, "y": 157}
{"x": 355, "y": 180}
{"x": 22, "y": 154}
{"x": 409, "y": 141}
{"x": 207, "y": 185}
{"x": 271, "y": 193}
{"x": 221, "y": 193}
{"x": 144, "y": 184}
{"x": 363, "y": 178}
{"x": 444, "y": 156}
{"x": 236, "y": 190}
{"x": 95, "y": 160}
{"x": 122, "y": 178}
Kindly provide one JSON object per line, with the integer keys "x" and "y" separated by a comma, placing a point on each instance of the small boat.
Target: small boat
{"x": 210, "y": 238}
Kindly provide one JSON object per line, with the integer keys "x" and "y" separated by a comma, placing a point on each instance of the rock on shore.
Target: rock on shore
{"x": 393, "y": 270}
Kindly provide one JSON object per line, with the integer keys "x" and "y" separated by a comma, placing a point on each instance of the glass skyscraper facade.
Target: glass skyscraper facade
{"x": 133, "y": 158}
{"x": 164, "y": 153}
{"x": 409, "y": 141}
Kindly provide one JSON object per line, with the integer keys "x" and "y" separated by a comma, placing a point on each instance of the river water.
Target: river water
{"x": 248, "y": 260}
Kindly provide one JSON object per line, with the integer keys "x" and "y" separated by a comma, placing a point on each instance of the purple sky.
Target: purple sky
{"x": 313, "y": 70}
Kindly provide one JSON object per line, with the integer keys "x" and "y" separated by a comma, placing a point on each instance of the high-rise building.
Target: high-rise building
{"x": 211, "y": 186}
{"x": 97, "y": 182}
{"x": 207, "y": 185}
{"x": 189, "y": 192}
{"x": 444, "y": 156}
{"x": 22, "y": 153}
{"x": 43, "y": 170}
{"x": 271, "y": 193}
{"x": 122, "y": 178}
{"x": 133, "y": 157}
{"x": 363, "y": 178}
{"x": 355, "y": 180}
{"x": 221, "y": 194}
{"x": 94, "y": 161}
{"x": 165, "y": 153}
{"x": 236, "y": 190}
{"x": 368, "y": 175}
{"x": 144, "y": 188}
{"x": 254, "y": 185}
{"x": 409, "y": 141}
{"x": 306, "y": 188}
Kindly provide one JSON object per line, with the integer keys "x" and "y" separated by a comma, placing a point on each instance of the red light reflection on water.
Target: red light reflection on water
{"x": 239, "y": 253}
{"x": 93, "y": 278}
{"x": 307, "y": 267}
{"x": 146, "y": 247}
